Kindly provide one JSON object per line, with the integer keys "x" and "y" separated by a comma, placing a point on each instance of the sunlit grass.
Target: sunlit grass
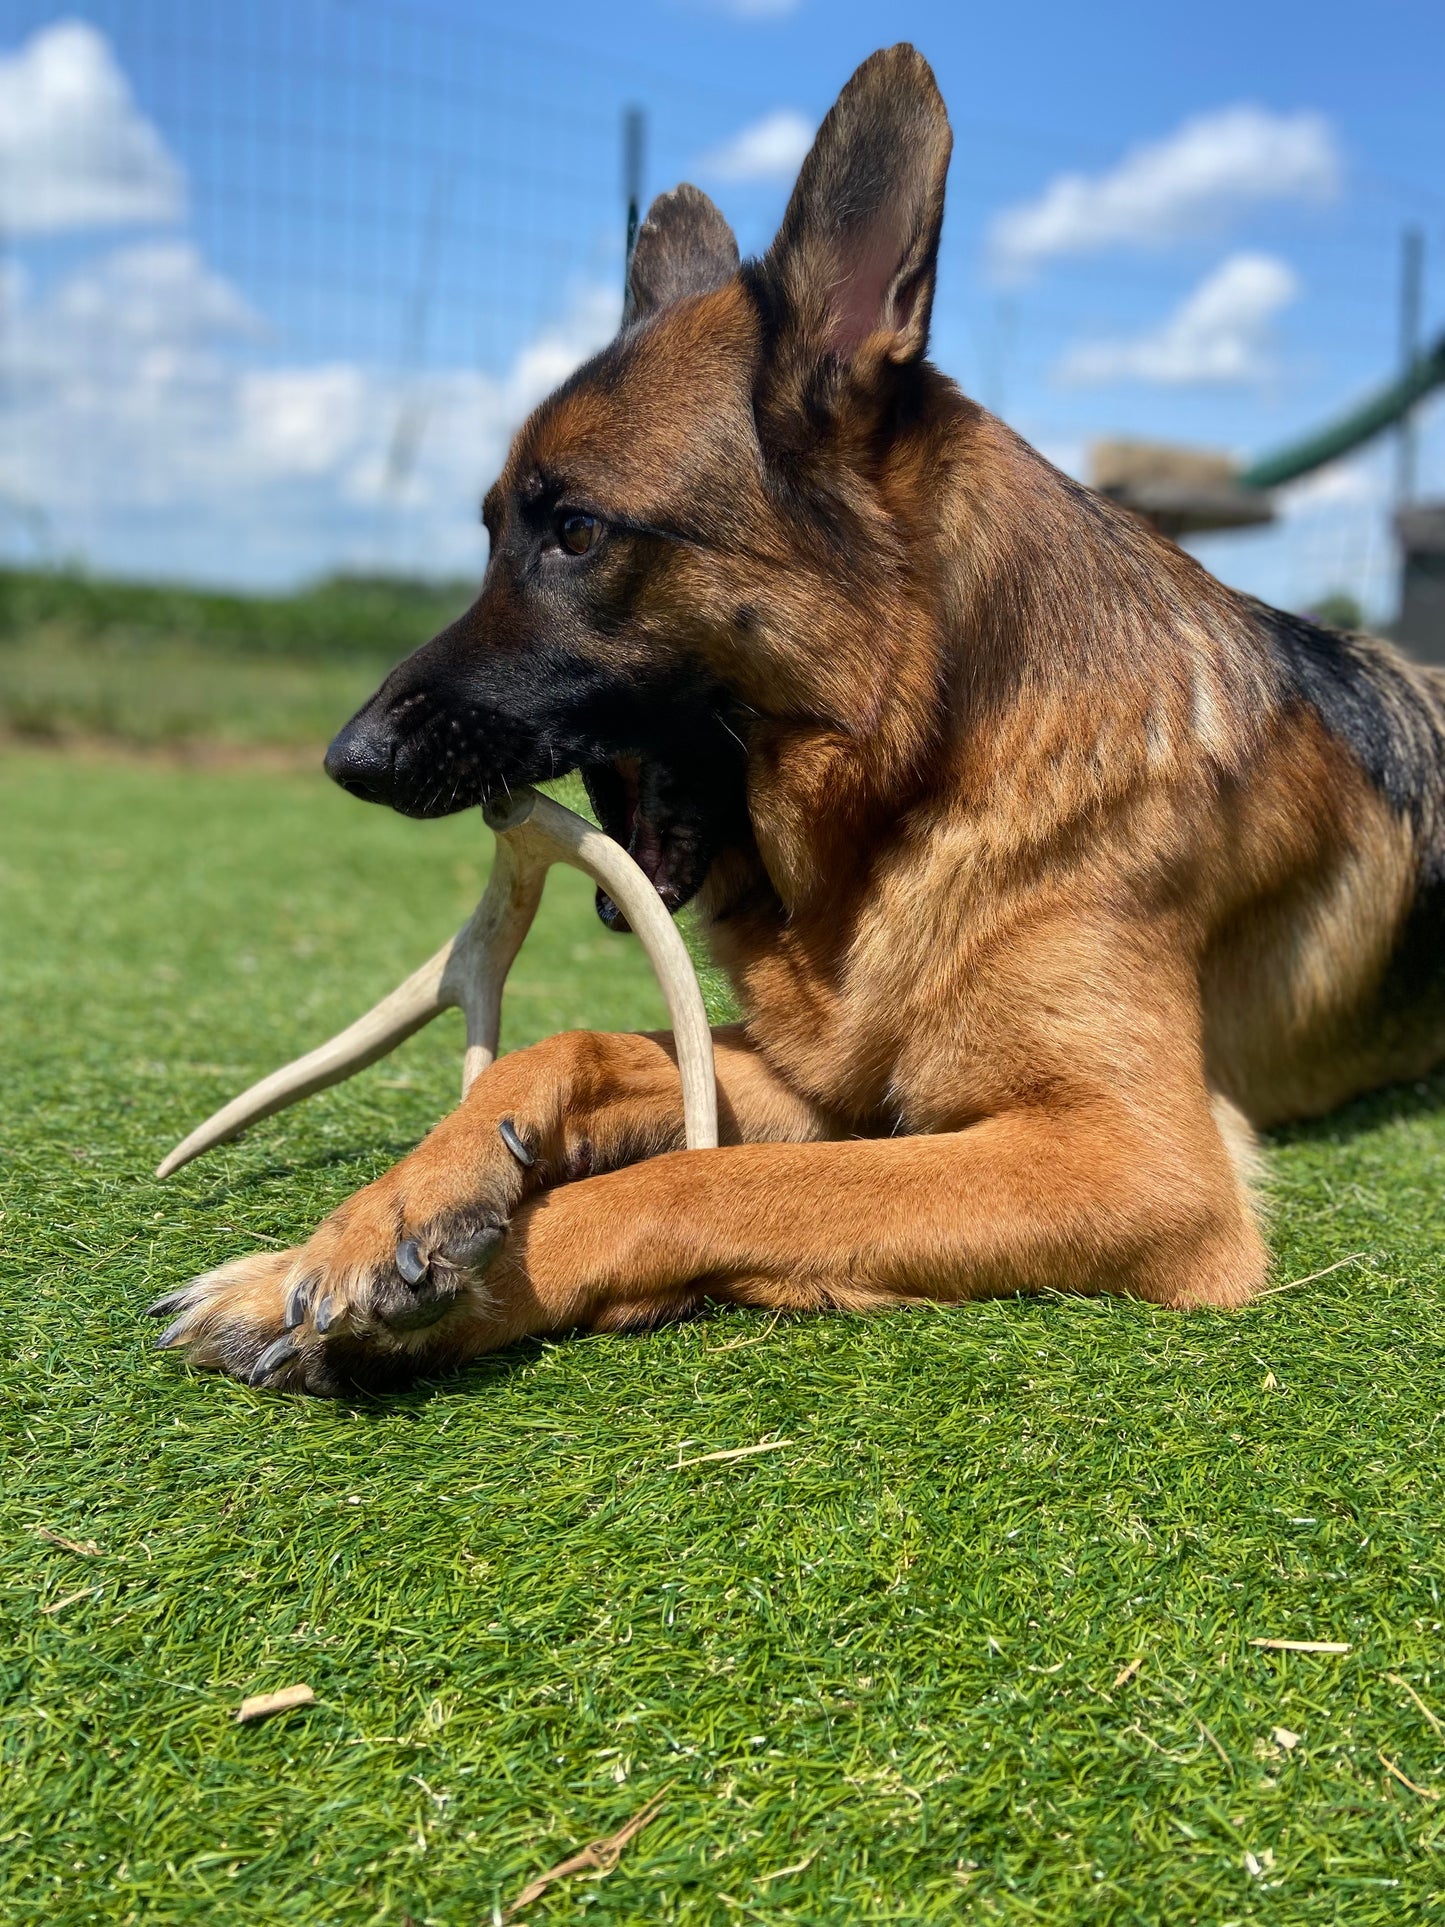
{"x": 894, "y": 1655}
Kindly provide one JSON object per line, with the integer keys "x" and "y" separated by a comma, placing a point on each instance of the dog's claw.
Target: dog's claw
{"x": 279, "y": 1352}
{"x": 173, "y": 1301}
{"x": 409, "y": 1261}
{"x": 298, "y": 1303}
{"x": 324, "y": 1316}
{"x": 514, "y": 1143}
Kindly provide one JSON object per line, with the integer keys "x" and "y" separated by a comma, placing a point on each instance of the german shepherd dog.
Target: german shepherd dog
{"x": 1045, "y": 867}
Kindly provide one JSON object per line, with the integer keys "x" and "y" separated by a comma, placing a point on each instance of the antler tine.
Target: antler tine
{"x": 532, "y": 833}
{"x": 415, "y": 1003}
{"x": 606, "y": 862}
{"x": 469, "y": 971}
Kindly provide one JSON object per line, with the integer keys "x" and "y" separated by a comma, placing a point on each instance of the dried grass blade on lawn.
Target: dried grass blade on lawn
{"x": 1314, "y": 1276}
{"x": 598, "y": 1856}
{"x": 736, "y": 1452}
{"x": 87, "y": 1548}
{"x": 1425, "y": 1793}
{"x": 261, "y": 1706}
{"x": 781, "y": 1873}
{"x": 1434, "y": 1718}
{"x": 59, "y": 1605}
{"x": 1303, "y": 1645}
{"x": 741, "y": 1344}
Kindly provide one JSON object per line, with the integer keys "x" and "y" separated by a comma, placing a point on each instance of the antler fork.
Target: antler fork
{"x": 532, "y": 833}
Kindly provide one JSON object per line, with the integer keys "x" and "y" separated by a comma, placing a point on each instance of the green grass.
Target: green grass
{"x": 160, "y": 665}
{"x": 888, "y": 1650}
{"x": 53, "y": 688}
{"x": 338, "y": 617}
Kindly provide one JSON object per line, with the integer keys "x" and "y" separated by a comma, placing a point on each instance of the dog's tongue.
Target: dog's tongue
{"x": 645, "y": 848}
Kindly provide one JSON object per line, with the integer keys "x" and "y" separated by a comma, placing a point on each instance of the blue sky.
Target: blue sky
{"x": 345, "y": 244}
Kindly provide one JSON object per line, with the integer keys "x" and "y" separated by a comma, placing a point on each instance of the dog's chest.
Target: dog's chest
{"x": 882, "y": 1050}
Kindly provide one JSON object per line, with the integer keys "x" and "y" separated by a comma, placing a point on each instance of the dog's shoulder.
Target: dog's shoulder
{"x": 1388, "y": 712}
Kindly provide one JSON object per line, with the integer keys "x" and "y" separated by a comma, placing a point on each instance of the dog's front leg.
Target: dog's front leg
{"x": 1098, "y": 1197}
{"x": 396, "y": 1279}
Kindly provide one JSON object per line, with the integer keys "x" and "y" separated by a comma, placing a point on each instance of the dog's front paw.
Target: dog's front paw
{"x": 363, "y": 1304}
{"x": 392, "y": 1283}
{"x": 233, "y": 1319}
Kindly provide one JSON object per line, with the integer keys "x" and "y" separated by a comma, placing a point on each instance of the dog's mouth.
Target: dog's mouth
{"x": 669, "y": 834}
{"x": 666, "y": 775}
{"x": 673, "y": 817}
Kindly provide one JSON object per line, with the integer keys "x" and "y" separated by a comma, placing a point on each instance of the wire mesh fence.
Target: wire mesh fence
{"x": 276, "y": 281}
{"x": 276, "y": 288}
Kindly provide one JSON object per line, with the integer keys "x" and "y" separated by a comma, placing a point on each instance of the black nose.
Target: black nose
{"x": 362, "y": 759}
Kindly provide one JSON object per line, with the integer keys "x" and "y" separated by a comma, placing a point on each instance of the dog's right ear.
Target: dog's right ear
{"x": 683, "y": 247}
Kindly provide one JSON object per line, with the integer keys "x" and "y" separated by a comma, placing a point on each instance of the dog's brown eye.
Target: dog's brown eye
{"x": 578, "y": 533}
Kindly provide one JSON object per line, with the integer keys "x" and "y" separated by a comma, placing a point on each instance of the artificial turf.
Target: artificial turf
{"x": 973, "y": 1645}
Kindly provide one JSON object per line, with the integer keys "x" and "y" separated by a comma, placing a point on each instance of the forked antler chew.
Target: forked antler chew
{"x": 532, "y": 833}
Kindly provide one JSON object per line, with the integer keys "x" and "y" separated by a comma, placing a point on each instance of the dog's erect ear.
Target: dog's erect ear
{"x": 683, "y": 247}
{"x": 857, "y": 253}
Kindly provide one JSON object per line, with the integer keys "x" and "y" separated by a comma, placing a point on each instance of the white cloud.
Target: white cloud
{"x": 301, "y": 422}
{"x": 1219, "y": 333}
{"x": 134, "y": 325}
{"x": 590, "y": 322}
{"x": 75, "y": 150}
{"x": 156, "y": 291}
{"x": 1188, "y": 184}
{"x": 145, "y": 426}
{"x": 771, "y": 149}
{"x": 1071, "y": 456}
{"x": 1333, "y": 533}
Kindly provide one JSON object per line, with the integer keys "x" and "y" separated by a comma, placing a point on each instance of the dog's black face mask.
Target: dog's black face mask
{"x": 590, "y": 644}
{"x": 539, "y": 679}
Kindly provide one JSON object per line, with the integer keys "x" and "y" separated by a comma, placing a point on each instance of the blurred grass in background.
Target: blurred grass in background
{"x": 163, "y": 666}
{"x": 154, "y": 665}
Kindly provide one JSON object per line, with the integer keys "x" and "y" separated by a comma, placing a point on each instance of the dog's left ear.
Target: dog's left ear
{"x": 683, "y": 247}
{"x": 855, "y": 260}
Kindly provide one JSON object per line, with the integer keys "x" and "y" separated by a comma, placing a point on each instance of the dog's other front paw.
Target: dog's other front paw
{"x": 345, "y": 1311}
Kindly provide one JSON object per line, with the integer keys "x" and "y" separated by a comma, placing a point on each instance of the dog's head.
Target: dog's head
{"x": 692, "y": 543}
